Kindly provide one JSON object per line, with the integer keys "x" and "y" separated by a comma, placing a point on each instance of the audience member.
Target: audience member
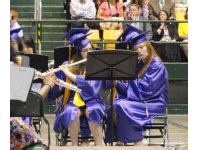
{"x": 135, "y": 15}
{"x": 166, "y": 32}
{"x": 110, "y": 10}
{"x": 143, "y": 5}
{"x": 155, "y": 6}
{"x": 183, "y": 33}
{"x": 83, "y": 10}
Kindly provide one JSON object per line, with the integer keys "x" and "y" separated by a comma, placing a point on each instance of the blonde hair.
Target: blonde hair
{"x": 151, "y": 54}
{"x": 14, "y": 14}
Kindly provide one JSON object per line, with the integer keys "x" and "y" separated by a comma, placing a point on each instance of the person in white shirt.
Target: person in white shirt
{"x": 82, "y": 10}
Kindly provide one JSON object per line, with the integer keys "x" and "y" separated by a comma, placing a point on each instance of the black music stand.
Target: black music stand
{"x": 38, "y": 62}
{"x": 62, "y": 54}
{"x": 111, "y": 65}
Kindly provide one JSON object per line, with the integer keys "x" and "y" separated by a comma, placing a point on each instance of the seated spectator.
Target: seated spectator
{"x": 183, "y": 33}
{"x": 110, "y": 10}
{"x": 83, "y": 10}
{"x": 155, "y": 6}
{"x": 15, "y": 29}
{"x": 135, "y": 15}
{"x": 166, "y": 32}
{"x": 143, "y": 5}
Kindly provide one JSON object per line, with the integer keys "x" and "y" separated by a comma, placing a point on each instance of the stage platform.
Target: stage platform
{"x": 178, "y": 137}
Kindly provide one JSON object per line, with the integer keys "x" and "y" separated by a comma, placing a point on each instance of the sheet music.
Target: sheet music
{"x": 20, "y": 82}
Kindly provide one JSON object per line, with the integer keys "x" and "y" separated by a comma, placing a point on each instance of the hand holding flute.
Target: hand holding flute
{"x": 58, "y": 81}
{"x": 66, "y": 71}
{"x": 50, "y": 80}
{"x": 58, "y": 69}
{"x": 48, "y": 83}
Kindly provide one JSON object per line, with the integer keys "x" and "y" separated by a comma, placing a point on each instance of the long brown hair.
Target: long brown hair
{"x": 81, "y": 68}
{"x": 151, "y": 54}
{"x": 78, "y": 69}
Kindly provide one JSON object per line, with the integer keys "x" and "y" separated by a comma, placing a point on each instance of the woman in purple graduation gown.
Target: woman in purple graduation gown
{"x": 146, "y": 96}
{"x": 69, "y": 110}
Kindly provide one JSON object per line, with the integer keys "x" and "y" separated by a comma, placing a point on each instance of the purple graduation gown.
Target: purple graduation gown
{"x": 145, "y": 99}
{"x": 90, "y": 94}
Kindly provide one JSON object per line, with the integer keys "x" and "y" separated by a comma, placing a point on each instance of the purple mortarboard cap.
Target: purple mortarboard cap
{"x": 77, "y": 36}
{"x": 133, "y": 35}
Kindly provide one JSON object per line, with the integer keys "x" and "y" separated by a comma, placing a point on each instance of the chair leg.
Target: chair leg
{"x": 64, "y": 137}
{"x": 148, "y": 133}
{"x": 37, "y": 122}
{"x": 57, "y": 139}
{"x": 166, "y": 137}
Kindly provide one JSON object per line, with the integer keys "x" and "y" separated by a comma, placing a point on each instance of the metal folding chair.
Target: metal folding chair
{"x": 160, "y": 123}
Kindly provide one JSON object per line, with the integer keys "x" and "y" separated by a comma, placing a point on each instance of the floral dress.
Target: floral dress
{"x": 22, "y": 134}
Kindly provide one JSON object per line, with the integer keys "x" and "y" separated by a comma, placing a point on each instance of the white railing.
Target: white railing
{"x": 38, "y": 16}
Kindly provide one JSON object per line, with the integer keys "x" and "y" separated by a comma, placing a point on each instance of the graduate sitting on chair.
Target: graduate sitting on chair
{"x": 74, "y": 105}
{"x": 145, "y": 97}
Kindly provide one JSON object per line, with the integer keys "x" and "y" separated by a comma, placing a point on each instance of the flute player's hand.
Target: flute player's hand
{"x": 65, "y": 69}
{"x": 50, "y": 79}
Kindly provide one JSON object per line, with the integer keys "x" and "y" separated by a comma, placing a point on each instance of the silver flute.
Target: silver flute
{"x": 60, "y": 82}
{"x": 58, "y": 69}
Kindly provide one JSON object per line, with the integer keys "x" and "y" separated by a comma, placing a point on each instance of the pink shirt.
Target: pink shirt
{"x": 107, "y": 12}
